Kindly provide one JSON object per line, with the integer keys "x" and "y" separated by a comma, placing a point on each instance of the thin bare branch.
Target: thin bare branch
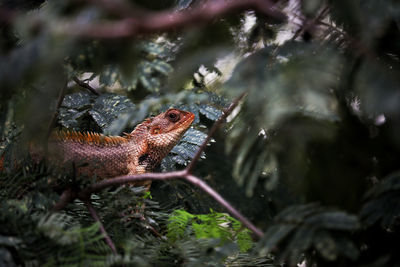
{"x": 310, "y": 24}
{"x": 107, "y": 238}
{"x": 66, "y": 197}
{"x": 235, "y": 213}
{"x": 153, "y": 22}
{"x": 54, "y": 118}
{"x": 121, "y": 180}
{"x": 215, "y": 126}
{"x": 85, "y": 85}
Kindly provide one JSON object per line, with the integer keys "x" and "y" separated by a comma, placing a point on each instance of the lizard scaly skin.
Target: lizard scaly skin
{"x": 96, "y": 155}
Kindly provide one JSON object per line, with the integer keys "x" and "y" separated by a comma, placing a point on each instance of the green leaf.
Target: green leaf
{"x": 71, "y": 118}
{"x": 107, "y": 107}
{"x": 301, "y": 229}
{"x": 9, "y": 241}
{"x": 210, "y": 112}
{"x": 214, "y": 225}
{"x": 297, "y": 213}
{"x": 109, "y": 76}
{"x": 104, "y": 109}
{"x": 6, "y": 258}
{"x": 300, "y": 242}
{"x": 274, "y": 235}
{"x": 194, "y": 137}
{"x": 162, "y": 67}
{"x": 347, "y": 247}
{"x": 383, "y": 203}
{"x": 335, "y": 220}
{"x": 153, "y": 50}
{"x": 373, "y": 76}
{"x": 288, "y": 89}
{"x": 151, "y": 84}
{"x": 179, "y": 159}
{"x": 185, "y": 150}
{"x": 326, "y": 245}
{"x": 77, "y": 101}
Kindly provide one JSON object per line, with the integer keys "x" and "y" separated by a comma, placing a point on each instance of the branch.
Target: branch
{"x": 154, "y": 22}
{"x": 309, "y": 25}
{"x": 211, "y": 192}
{"x": 126, "y": 179}
{"x": 54, "y": 118}
{"x": 107, "y": 238}
{"x": 66, "y": 197}
{"x": 85, "y": 85}
{"x": 121, "y": 180}
{"x": 215, "y": 126}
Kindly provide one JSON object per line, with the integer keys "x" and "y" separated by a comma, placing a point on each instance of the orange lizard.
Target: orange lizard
{"x": 105, "y": 157}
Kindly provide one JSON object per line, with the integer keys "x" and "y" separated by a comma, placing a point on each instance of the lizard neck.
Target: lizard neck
{"x": 144, "y": 157}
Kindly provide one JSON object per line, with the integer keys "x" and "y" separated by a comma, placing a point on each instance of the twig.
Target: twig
{"x": 66, "y": 197}
{"x": 309, "y": 25}
{"x": 211, "y": 192}
{"x": 107, "y": 238}
{"x": 54, "y": 118}
{"x": 126, "y": 179}
{"x": 163, "y": 21}
{"x": 148, "y": 226}
{"x": 85, "y": 85}
{"x": 85, "y": 193}
{"x": 121, "y": 180}
{"x": 354, "y": 44}
{"x": 215, "y": 126}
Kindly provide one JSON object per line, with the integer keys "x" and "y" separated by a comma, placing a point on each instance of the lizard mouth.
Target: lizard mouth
{"x": 188, "y": 118}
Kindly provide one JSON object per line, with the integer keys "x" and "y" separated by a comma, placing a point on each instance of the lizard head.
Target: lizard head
{"x": 165, "y": 130}
{"x": 158, "y": 135}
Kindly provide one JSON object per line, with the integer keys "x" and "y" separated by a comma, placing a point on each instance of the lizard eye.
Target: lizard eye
{"x": 155, "y": 130}
{"x": 173, "y": 116}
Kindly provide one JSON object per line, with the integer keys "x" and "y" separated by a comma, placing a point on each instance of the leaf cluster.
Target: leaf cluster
{"x": 213, "y": 225}
{"x": 307, "y": 228}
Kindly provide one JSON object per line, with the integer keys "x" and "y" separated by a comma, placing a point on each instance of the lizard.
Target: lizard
{"x": 103, "y": 157}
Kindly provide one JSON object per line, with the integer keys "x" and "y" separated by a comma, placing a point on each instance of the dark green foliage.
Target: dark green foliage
{"x": 101, "y": 111}
{"x": 288, "y": 88}
{"x": 148, "y": 73}
{"x": 33, "y": 236}
{"x": 310, "y": 155}
{"x": 383, "y": 204}
{"x": 305, "y": 228}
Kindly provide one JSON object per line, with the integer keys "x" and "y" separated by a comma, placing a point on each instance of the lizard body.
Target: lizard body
{"x": 105, "y": 157}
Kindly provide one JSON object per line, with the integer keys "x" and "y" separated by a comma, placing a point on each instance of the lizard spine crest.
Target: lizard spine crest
{"x": 90, "y": 138}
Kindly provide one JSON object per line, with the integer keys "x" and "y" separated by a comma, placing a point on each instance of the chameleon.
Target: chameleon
{"x": 103, "y": 157}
